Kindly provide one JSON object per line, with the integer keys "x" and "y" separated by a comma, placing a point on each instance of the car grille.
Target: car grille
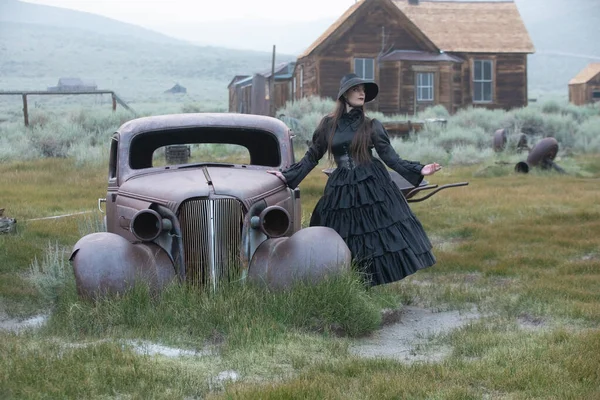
{"x": 212, "y": 237}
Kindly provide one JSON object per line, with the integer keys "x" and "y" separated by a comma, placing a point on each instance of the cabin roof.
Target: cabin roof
{"x": 282, "y": 71}
{"x": 470, "y": 26}
{"x": 237, "y": 79}
{"x": 417, "y": 55}
{"x": 586, "y": 74}
{"x": 332, "y": 28}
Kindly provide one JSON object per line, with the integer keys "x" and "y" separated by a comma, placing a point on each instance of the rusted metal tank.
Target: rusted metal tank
{"x": 542, "y": 155}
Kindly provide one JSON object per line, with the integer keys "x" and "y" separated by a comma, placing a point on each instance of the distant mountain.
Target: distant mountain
{"x": 565, "y": 35}
{"x": 20, "y": 12}
{"x": 39, "y": 45}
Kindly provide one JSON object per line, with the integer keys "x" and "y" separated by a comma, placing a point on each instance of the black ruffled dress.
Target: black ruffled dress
{"x": 364, "y": 206}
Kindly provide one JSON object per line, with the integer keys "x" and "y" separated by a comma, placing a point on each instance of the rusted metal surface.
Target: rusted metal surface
{"x": 204, "y": 221}
{"x": 308, "y": 255}
{"x": 499, "y": 140}
{"x": 542, "y": 155}
{"x": 106, "y": 264}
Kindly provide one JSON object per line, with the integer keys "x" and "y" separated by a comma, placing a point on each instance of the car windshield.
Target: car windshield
{"x": 202, "y": 153}
{"x": 204, "y": 145}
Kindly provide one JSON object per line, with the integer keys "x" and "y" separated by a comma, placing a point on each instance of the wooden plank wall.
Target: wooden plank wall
{"x": 577, "y": 94}
{"x": 361, "y": 37}
{"x": 511, "y": 81}
{"x": 582, "y": 93}
{"x": 283, "y": 90}
{"x": 330, "y": 73}
{"x": 389, "y": 87}
{"x": 457, "y": 87}
{"x": 309, "y": 66}
{"x": 593, "y": 85}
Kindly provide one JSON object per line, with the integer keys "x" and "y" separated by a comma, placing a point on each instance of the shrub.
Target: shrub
{"x": 587, "y": 138}
{"x": 487, "y": 120}
{"x": 420, "y": 149}
{"x": 462, "y": 136}
{"x": 562, "y": 127}
{"x": 529, "y": 121}
{"x": 469, "y": 154}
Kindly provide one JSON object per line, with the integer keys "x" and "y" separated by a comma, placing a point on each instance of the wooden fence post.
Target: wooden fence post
{"x": 114, "y": 102}
{"x": 25, "y": 112}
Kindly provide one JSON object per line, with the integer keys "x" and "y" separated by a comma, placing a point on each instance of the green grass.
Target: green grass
{"x": 521, "y": 249}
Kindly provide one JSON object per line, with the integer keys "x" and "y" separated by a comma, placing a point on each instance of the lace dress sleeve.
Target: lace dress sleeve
{"x": 410, "y": 170}
{"x": 295, "y": 173}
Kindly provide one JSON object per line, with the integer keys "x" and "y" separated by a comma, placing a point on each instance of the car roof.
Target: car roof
{"x": 194, "y": 120}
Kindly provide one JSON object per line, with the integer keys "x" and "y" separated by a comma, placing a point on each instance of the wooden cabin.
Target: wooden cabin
{"x": 423, "y": 53}
{"x": 251, "y": 94}
{"x": 237, "y": 98}
{"x": 585, "y": 87}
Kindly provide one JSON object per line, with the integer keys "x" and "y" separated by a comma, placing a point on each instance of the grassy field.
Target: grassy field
{"x": 520, "y": 249}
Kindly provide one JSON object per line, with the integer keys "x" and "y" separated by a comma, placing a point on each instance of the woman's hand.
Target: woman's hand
{"x": 279, "y": 175}
{"x": 430, "y": 169}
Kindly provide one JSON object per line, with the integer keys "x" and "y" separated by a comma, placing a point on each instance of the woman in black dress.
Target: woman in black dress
{"x": 360, "y": 200}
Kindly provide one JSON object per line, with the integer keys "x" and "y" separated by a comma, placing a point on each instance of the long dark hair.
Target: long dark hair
{"x": 359, "y": 149}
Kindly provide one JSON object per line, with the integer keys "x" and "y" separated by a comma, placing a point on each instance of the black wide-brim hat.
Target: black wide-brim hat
{"x": 350, "y": 80}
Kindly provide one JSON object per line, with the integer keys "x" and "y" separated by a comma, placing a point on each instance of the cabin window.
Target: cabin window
{"x": 301, "y": 81}
{"x": 596, "y": 95}
{"x": 482, "y": 81}
{"x": 424, "y": 86}
{"x": 365, "y": 68}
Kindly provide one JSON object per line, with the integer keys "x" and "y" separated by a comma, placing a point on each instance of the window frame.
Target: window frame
{"x": 431, "y": 86}
{"x": 363, "y": 60}
{"x": 481, "y": 80}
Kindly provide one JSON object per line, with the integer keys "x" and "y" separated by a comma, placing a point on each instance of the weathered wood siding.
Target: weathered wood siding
{"x": 457, "y": 87}
{"x": 330, "y": 73}
{"x": 577, "y": 94}
{"x": 389, "y": 90}
{"x": 511, "y": 80}
{"x": 283, "y": 92}
{"x": 583, "y": 93}
{"x": 306, "y": 74}
{"x": 509, "y": 88}
{"x": 361, "y": 37}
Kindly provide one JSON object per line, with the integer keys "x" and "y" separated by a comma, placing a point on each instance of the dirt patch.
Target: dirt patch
{"x": 407, "y": 340}
{"x": 405, "y": 335}
{"x": 17, "y": 325}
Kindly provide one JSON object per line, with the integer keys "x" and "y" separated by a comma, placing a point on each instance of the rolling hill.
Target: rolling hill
{"x": 40, "y": 44}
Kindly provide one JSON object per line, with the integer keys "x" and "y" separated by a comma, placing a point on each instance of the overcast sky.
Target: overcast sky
{"x": 150, "y": 12}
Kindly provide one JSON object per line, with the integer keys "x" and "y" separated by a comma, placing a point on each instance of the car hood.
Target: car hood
{"x": 175, "y": 186}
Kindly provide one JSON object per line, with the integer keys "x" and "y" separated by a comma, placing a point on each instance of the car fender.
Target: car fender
{"x": 105, "y": 263}
{"x": 308, "y": 255}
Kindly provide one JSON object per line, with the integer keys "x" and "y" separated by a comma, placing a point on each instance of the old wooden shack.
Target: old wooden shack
{"x": 455, "y": 53}
{"x": 73, "y": 85}
{"x": 251, "y": 94}
{"x": 584, "y": 88}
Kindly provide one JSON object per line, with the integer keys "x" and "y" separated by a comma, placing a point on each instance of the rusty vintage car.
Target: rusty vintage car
{"x": 208, "y": 216}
